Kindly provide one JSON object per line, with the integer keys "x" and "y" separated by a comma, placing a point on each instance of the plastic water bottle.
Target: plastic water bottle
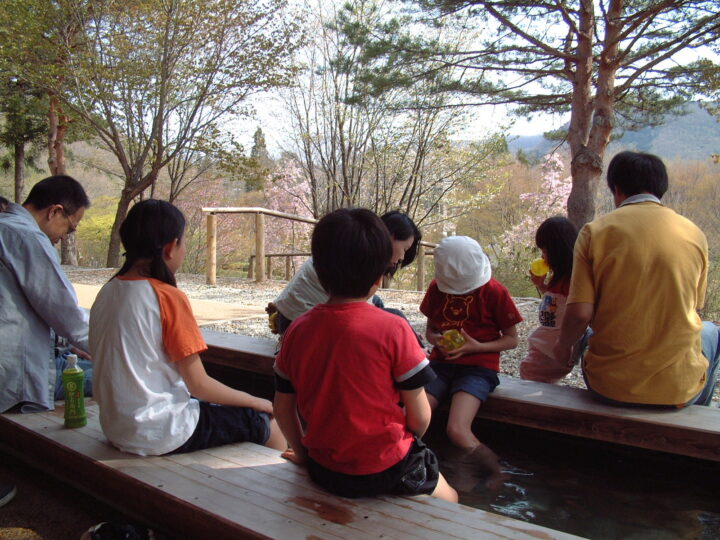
{"x": 73, "y": 379}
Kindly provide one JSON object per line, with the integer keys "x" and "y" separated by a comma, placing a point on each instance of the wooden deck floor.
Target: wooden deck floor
{"x": 236, "y": 491}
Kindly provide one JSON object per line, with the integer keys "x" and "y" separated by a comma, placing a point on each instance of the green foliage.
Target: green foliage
{"x": 24, "y": 113}
{"x": 525, "y": 53}
{"x": 93, "y": 233}
{"x": 149, "y": 75}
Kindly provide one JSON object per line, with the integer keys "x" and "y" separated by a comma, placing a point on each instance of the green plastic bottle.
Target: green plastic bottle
{"x": 73, "y": 380}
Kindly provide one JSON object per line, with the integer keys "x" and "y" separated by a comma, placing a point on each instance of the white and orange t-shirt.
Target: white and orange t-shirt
{"x": 139, "y": 328}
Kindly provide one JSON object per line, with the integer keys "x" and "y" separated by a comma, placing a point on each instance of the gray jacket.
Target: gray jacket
{"x": 35, "y": 299}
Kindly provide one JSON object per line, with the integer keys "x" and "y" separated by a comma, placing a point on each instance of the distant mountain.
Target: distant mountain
{"x": 694, "y": 136}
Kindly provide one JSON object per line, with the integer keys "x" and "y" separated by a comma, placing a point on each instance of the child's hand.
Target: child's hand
{"x": 471, "y": 345}
{"x": 80, "y": 353}
{"x": 298, "y": 458}
{"x": 433, "y": 336}
{"x": 263, "y": 405}
{"x": 538, "y": 281}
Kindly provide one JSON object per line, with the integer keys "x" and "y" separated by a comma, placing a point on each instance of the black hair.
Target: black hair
{"x": 59, "y": 189}
{"x": 149, "y": 226}
{"x": 635, "y": 172}
{"x": 401, "y": 227}
{"x": 557, "y": 235}
{"x": 351, "y": 249}
{"x": 4, "y": 203}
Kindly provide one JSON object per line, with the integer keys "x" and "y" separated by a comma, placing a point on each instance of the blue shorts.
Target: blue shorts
{"x": 222, "y": 424}
{"x": 474, "y": 380}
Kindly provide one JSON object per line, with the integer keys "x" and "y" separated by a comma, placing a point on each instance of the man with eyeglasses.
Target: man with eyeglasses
{"x": 37, "y": 302}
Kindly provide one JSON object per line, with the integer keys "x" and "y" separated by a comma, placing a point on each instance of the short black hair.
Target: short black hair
{"x": 60, "y": 189}
{"x": 636, "y": 172}
{"x": 4, "y": 203}
{"x": 401, "y": 227}
{"x": 557, "y": 235}
{"x": 351, "y": 249}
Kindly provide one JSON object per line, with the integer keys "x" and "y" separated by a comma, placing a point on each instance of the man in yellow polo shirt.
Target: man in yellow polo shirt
{"x": 639, "y": 277}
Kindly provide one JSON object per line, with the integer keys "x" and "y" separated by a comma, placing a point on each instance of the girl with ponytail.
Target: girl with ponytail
{"x": 154, "y": 394}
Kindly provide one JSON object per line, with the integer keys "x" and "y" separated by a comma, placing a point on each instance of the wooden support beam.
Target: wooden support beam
{"x": 211, "y": 254}
{"x": 421, "y": 268}
{"x": 260, "y": 247}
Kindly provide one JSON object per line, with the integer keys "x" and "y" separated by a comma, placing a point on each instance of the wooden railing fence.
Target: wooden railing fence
{"x": 260, "y": 262}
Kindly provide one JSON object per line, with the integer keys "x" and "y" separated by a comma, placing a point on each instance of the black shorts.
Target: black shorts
{"x": 223, "y": 424}
{"x": 416, "y": 474}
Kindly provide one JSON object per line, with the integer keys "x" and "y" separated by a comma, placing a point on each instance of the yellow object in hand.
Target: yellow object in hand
{"x": 539, "y": 267}
{"x": 272, "y": 322}
{"x": 452, "y": 339}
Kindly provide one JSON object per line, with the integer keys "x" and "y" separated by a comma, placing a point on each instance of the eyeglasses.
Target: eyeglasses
{"x": 73, "y": 226}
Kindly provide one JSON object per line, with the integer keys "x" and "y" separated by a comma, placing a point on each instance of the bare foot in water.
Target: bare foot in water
{"x": 481, "y": 460}
{"x": 489, "y": 460}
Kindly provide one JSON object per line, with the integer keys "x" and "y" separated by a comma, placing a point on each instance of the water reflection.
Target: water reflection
{"x": 590, "y": 489}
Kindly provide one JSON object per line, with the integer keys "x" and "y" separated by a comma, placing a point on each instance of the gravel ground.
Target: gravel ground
{"x": 251, "y": 293}
{"x": 248, "y": 292}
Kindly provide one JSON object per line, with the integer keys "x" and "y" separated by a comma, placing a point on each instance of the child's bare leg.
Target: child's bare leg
{"x": 432, "y": 400}
{"x": 463, "y": 409}
{"x": 445, "y": 491}
{"x": 276, "y": 439}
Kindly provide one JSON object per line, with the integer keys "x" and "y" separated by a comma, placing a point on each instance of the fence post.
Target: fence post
{"x": 421, "y": 268}
{"x": 211, "y": 254}
{"x": 251, "y": 266}
{"x": 260, "y": 246}
{"x": 287, "y": 268}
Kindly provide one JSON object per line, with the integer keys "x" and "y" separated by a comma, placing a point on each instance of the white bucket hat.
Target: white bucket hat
{"x": 461, "y": 265}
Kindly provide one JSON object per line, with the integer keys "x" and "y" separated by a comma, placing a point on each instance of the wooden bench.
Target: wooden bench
{"x": 693, "y": 431}
{"x": 235, "y": 491}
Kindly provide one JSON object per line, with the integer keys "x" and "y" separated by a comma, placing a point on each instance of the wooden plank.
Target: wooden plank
{"x": 435, "y": 518}
{"x": 693, "y": 431}
{"x": 134, "y": 497}
{"x": 236, "y": 491}
{"x": 253, "y": 354}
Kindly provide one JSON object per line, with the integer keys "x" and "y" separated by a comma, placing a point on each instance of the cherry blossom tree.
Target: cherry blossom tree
{"x": 550, "y": 199}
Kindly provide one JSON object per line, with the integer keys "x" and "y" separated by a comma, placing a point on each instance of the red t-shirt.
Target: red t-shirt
{"x": 482, "y": 313}
{"x": 344, "y": 361}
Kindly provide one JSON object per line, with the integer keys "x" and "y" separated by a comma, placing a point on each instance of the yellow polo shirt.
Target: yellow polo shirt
{"x": 644, "y": 268}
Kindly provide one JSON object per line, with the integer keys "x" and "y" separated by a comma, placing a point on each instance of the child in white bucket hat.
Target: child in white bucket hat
{"x": 465, "y": 297}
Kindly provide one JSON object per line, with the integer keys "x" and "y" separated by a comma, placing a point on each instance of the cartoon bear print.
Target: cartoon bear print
{"x": 457, "y": 309}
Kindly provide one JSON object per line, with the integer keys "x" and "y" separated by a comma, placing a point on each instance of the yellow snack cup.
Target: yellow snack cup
{"x": 539, "y": 267}
{"x": 452, "y": 339}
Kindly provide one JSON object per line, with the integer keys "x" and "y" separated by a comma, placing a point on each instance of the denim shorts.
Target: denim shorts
{"x": 416, "y": 474}
{"x": 222, "y": 424}
{"x": 474, "y": 380}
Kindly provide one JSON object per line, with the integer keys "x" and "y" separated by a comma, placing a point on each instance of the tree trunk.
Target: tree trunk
{"x": 588, "y": 154}
{"x": 113, "y": 256}
{"x": 586, "y": 170}
{"x": 57, "y": 128}
{"x": 19, "y": 173}
{"x": 53, "y": 123}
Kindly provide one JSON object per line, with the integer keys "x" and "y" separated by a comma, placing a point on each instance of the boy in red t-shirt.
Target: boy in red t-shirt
{"x": 344, "y": 368}
{"x": 463, "y": 296}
